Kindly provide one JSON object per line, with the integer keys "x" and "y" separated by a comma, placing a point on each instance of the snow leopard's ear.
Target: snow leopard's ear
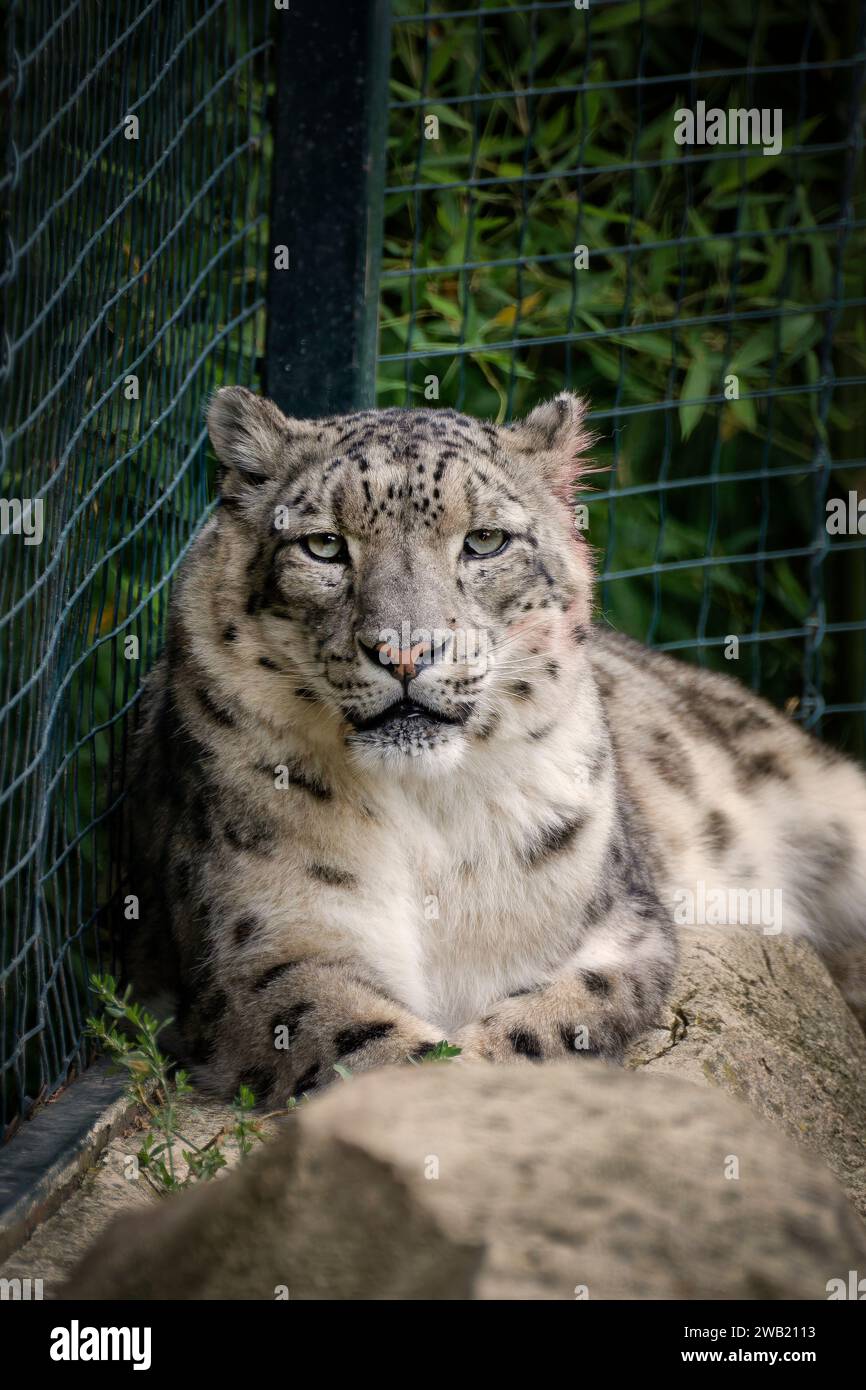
{"x": 554, "y": 439}
{"x": 252, "y": 439}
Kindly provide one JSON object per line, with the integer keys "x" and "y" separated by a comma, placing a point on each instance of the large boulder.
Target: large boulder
{"x": 569, "y": 1180}
{"x": 759, "y": 1016}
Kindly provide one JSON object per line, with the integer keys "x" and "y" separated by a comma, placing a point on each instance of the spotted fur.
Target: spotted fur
{"x": 347, "y": 845}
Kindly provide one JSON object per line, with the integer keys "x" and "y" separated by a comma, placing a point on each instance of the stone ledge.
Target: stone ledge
{"x": 100, "y": 1189}
{"x": 568, "y": 1180}
{"x": 47, "y": 1158}
{"x": 759, "y": 1017}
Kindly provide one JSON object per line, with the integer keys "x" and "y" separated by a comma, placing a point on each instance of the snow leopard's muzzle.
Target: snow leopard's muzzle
{"x": 424, "y": 712}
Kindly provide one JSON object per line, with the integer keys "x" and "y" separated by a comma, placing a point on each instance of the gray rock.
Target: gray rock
{"x": 468, "y": 1181}
{"x": 107, "y": 1190}
{"x": 760, "y": 1017}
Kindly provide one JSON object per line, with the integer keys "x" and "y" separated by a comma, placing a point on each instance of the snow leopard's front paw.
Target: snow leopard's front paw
{"x": 487, "y": 1040}
{"x": 363, "y": 1046}
{"x": 565, "y": 1018}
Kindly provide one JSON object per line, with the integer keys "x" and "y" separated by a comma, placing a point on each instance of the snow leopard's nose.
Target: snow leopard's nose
{"x": 405, "y": 663}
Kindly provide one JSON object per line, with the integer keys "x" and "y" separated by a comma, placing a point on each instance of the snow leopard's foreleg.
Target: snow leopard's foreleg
{"x": 608, "y": 992}
{"x": 293, "y": 1022}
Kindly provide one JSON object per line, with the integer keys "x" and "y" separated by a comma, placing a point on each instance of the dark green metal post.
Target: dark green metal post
{"x": 328, "y": 177}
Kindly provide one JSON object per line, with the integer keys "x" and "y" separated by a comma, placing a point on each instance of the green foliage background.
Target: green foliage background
{"x": 735, "y": 258}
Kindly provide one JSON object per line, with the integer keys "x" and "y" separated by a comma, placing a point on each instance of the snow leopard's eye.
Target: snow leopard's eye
{"x": 485, "y": 541}
{"x": 325, "y": 545}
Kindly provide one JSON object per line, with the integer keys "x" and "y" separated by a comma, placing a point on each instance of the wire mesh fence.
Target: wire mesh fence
{"x": 134, "y": 198}
{"x": 545, "y": 227}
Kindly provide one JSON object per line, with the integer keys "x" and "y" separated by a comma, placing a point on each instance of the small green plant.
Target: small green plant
{"x": 442, "y": 1052}
{"x": 129, "y": 1035}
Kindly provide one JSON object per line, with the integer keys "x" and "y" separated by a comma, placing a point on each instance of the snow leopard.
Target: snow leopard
{"x": 394, "y": 785}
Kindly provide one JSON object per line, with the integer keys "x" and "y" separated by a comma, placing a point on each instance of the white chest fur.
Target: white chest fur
{"x": 470, "y": 914}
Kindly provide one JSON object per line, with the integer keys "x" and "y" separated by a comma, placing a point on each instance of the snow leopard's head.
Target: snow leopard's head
{"x": 410, "y": 573}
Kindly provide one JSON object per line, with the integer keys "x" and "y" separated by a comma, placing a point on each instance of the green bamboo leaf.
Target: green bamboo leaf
{"x": 745, "y": 413}
{"x": 758, "y": 348}
{"x": 696, "y": 384}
